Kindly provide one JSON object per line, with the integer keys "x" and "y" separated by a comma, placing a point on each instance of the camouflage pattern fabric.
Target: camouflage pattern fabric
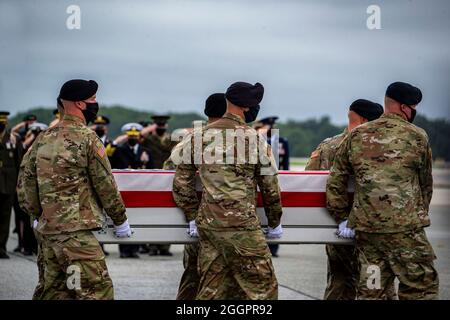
{"x": 65, "y": 180}
{"x": 229, "y": 190}
{"x": 391, "y": 161}
{"x": 342, "y": 264}
{"x": 41, "y": 266}
{"x": 64, "y": 256}
{"x": 406, "y": 255}
{"x": 190, "y": 279}
{"x": 322, "y": 157}
{"x": 227, "y": 214}
{"x": 235, "y": 265}
{"x": 342, "y": 267}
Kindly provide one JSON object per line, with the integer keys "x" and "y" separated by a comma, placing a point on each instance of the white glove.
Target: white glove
{"x": 192, "y": 231}
{"x": 123, "y": 231}
{"x": 274, "y": 233}
{"x": 35, "y": 224}
{"x": 345, "y": 232}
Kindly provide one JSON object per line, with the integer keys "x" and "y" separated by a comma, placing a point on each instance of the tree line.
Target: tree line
{"x": 303, "y": 135}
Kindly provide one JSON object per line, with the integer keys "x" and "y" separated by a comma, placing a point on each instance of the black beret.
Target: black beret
{"x": 269, "y": 120}
{"x": 30, "y": 117}
{"x": 243, "y": 94}
{"x": 216, "y": 105}
{"x": 78, "y": 90}
{"x": 404, "y": 93}
{"x": 367, "y": 109}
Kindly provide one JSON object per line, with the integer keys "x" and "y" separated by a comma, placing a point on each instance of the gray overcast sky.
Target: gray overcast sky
{"x": 313, "y": 57}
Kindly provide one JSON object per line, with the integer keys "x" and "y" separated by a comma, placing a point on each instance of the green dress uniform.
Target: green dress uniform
{"x": 11, "y": 152}
{"x": 234, "y": 259}
{"x": 391, "y": 161}
{"x": 65, "y": 182}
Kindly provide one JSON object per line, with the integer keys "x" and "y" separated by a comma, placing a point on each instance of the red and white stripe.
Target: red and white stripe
{"x": 153, "y": 188}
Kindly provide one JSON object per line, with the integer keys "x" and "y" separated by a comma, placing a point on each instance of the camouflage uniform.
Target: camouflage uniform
{"x": 187, "y": 290}
{"x": 342, "y": 263}
{"x": 391, "y": 161}
{"x": 41, "y": 266}
{"x": 233, "y": 249}
{"x": 65, "y": 181}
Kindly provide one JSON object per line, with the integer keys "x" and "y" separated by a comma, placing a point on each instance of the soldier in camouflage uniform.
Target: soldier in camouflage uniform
{"x": 233, "y": 249}
{"x": 391, "y": 161}
{"x": 342, "y": 266}
{"x": 215, "y": 107}
{"x": 65, "y": 182}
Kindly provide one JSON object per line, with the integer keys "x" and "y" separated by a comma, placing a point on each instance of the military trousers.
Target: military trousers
{"x": 235, "y": 265}
{"x": 190, "y": 279}
{"x": 407, "y": 256}
{"x": 41, "y": 267}
{"x": 6, "y": 202}
{"x": 75, "y": 268}
{"x": 343, "y": 272}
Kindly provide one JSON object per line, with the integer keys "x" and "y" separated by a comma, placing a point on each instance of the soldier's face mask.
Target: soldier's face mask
{"x": 251, "y": 114}
{"x": 100, "y": 131}
{"x": 413, "y": 114}
{"x": 90, "y": 113}
{"x": 132, "y": 141}
{"x": 161, "y": 131}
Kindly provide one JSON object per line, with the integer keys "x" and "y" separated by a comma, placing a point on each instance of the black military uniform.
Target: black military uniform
{"x": 11, "y": 153}
{"x": 160, "y": 146}
{"x": 282, "y": 159}
{"x": 131, "y": 155}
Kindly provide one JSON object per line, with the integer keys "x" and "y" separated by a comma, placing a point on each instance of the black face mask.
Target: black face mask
{"x": 251, "y": 114}
{"x": 90, "y": 113}
{"x": 2, "y": 127}
{"x": 160, "y": 131}
{"x": 132, "y": 142}
{"x": 100, "y": 132}
{"x": 413, "y": 114}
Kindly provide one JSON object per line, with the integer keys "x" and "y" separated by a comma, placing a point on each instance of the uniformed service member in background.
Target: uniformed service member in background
{"x": 158, "y": 141}
{"x": 11, "y": 153}
{"x": 215, "y": 107}
{"x": 131, "y": 155}
{"x": 392, "y": 164}
{"x": 65, "y": 183}
{"x": 265, "y": 127}
{"x": 100, "y": 126}
{"x": 27, "y": 244}
{"x": 22, "y": 127}
{"x": 342, "y": 264}
{"x": 234, "y": 259}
